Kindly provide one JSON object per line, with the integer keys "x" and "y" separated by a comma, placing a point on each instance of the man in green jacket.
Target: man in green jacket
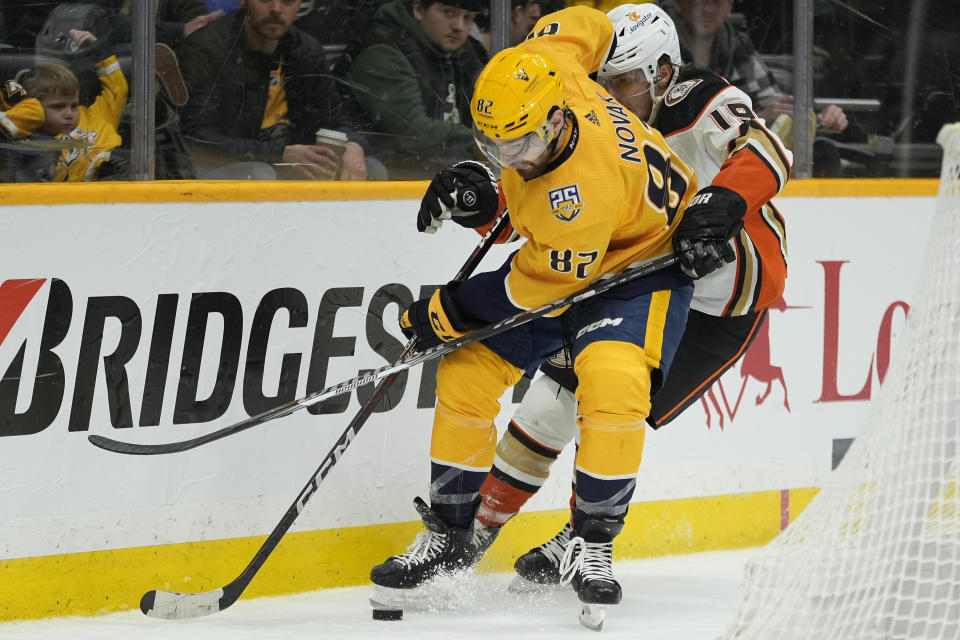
{"x": 412, "y": 74}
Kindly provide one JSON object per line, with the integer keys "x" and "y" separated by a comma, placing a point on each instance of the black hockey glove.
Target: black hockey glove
{"x": 466, "y": 193}
{"x": 702, "y": 239}
{"x": 436, "y": 319}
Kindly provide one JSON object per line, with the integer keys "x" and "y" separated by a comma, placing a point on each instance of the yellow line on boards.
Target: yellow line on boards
{"x": 307, "y": 191}
{"x": 98, "y": 582}
{"x": 206, "y": 191}
{"x": 861, "y": 187}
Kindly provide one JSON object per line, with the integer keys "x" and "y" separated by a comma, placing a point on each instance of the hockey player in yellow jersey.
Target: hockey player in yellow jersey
{"x": 593, "y": 190}
{"x": 52, "y": 108}
{"x": 740, "y": 165}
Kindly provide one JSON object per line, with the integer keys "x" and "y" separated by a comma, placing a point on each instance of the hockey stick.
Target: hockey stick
{"x": 598, "y": 286}
{"x": 499, "y": 225}
{"x": 171, "y": 605}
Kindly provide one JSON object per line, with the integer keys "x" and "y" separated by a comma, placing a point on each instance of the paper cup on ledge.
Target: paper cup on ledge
{"x": 333, "y": 140}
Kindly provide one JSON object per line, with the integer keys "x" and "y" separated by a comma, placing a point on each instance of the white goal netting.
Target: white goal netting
{"x": 876, "y": 555}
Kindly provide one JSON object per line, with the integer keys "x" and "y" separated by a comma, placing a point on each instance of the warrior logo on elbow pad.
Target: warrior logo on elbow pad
{"x": 565, "y": 202}
{"x": 700, "y": 198}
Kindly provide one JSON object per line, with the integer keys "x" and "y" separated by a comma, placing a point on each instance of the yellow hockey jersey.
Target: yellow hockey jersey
{"x": 609, "y": 199}
{"x": 22, "y": 119}
{"x": 97, "y": 126}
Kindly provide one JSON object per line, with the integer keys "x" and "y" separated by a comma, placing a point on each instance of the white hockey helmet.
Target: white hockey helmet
{"x": 644, "y": 33}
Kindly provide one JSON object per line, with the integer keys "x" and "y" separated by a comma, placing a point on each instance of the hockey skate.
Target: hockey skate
{"x": 441, "y": 549}
{"x": 587, "y": 563}
{"x": 539, "y": 568}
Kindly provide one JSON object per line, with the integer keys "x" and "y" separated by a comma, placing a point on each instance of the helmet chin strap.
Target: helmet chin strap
{"x": 554, "y": 143}
{"x": 658, "y": 100}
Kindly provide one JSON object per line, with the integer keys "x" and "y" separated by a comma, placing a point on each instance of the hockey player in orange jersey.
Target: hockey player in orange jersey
{"x": 593, "y": 190}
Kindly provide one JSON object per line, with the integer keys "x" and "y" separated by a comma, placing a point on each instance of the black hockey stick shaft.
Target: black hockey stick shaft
{"x": 597, "y": 287}
{"x": 499, "y": 225}
{"x": 173, "y": 605}
{"x": 489, "y": 239}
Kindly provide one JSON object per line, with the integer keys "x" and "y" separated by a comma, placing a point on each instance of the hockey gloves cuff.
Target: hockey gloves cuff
{"x": 702, "y": 237}
{"x": 436, "y": 319}
{"x": 466, "y": 193}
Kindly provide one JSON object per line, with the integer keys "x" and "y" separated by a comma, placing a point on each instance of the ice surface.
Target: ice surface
{"x": 689, "y": 597}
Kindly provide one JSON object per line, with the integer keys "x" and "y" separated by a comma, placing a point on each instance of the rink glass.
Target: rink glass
{"x": 893, "y": 67}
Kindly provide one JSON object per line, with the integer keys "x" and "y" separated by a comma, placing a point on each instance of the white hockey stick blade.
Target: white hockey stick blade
{"x": 170, "y": 605}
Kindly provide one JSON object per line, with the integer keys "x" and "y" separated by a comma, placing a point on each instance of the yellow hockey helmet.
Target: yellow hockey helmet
{"x": 513, "y": 99}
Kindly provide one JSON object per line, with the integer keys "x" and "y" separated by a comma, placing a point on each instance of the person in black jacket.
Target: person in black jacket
{"x": 259, "y": 89}
{"x": 412, "y": 75}
{"x": 175, "y": 19}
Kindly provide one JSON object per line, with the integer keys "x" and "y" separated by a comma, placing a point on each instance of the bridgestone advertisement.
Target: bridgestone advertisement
{"x": 154, "y": 323}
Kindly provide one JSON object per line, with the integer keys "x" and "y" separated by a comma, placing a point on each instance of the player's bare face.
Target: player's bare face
{"x": 521, "y": 152}
{"x": 529, "y": 154}
{"x": 530, "y": 169}
{"x": 268, "y": 20}
{"x": 61, "y": 113}
{"x": 445, "y": 25}
{"x": 533, "y": 165}
{"x": 632, "y": 90}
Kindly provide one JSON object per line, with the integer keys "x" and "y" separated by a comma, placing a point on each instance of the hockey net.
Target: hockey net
{"x": 876, "y": 555}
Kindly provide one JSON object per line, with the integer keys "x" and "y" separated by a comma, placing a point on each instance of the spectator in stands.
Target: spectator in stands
{"x": 52, "y": 111}
{"x": 412, "y": 73}
{"x": 176, "y": 19}
{"x": 258, "y": 91}
{"x": 523, "y": 15}
{"x": 44, "y": 27}
{"x": 22, "y": 22}
{"x": 711, "y": 41}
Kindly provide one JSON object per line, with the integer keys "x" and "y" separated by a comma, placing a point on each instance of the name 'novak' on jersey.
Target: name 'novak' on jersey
{"x": 608, "y": 210}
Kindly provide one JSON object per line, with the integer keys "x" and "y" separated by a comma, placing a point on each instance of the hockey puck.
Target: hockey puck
{"x": 388, "y": 614}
